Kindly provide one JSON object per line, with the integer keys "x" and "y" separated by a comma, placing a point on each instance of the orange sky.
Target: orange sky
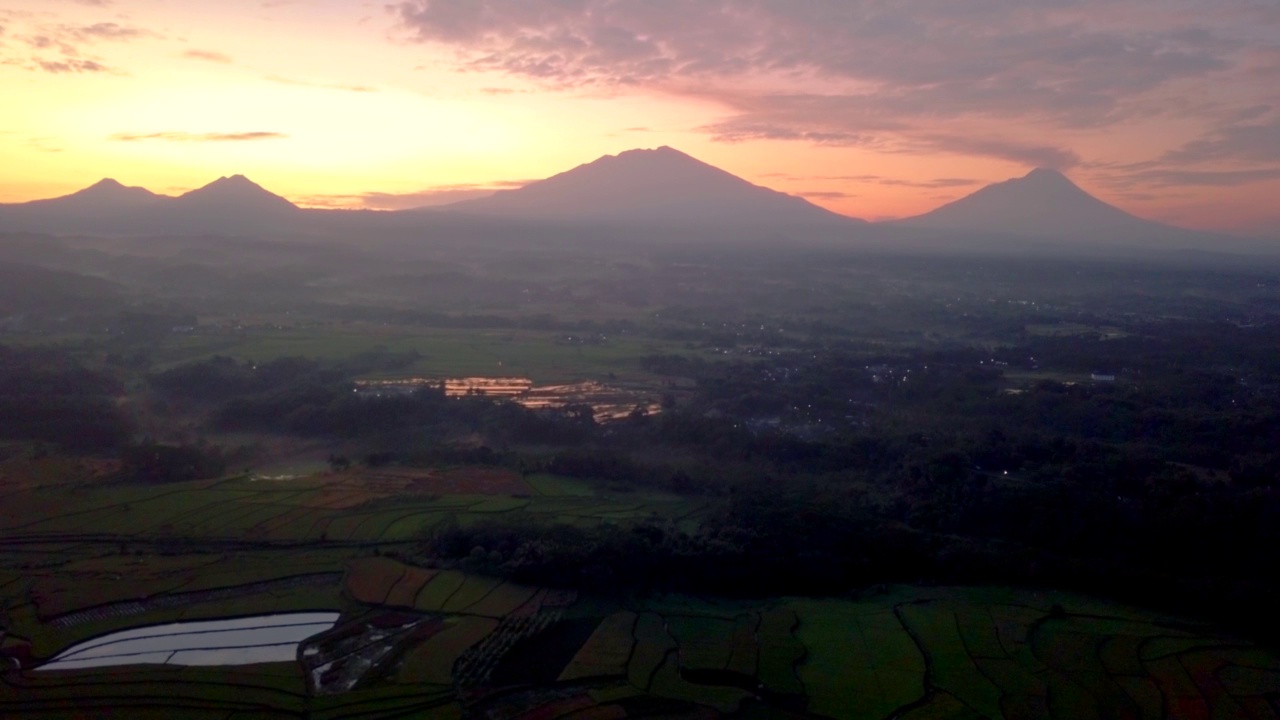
{"x": 377, "y": 104}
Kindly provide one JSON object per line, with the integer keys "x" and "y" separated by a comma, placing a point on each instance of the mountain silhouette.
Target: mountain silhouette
{"x": 659, "y": 186}
{"x": 1044, "y": 203}
{"x": 236, "y": 192}
{"x": 227, "y": 205}
{"x": 105, "y": 195}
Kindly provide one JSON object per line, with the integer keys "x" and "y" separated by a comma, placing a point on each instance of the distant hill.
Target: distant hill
{"x": 237, "y": 193}
{"x": 1046, "y": 204}
{"x": 227, "y": 205}
{"x": 653, "y": 187}
{"x": 106, "y": 195}
{"x": 30, "y": 289}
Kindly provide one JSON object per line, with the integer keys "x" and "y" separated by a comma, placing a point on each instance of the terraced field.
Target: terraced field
{"x": 81, "y": 560}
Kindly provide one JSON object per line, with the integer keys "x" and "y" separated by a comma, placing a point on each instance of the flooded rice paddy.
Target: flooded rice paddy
{"x": 236, "y": 641}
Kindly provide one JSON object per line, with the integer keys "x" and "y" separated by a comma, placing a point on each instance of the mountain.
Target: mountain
{"x": 1046, "y": 204}
{"x": 234, "y": 205}
{"x": 227, "y": 205}
{"x": 105, "y": 195}
{"x": 237, "y": 193}
{"x": 650, "y": 187}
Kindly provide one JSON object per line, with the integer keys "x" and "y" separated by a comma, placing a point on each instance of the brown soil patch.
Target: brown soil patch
{"x": 370, "y": 580}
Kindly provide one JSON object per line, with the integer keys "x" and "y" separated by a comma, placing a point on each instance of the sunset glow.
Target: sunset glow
{"x": 1170, "y": 110}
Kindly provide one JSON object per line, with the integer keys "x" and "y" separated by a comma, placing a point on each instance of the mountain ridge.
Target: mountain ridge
{"x": 637, "y": 191}
{"x": 1045, "y": 203}
{"x": 650, "y": 186}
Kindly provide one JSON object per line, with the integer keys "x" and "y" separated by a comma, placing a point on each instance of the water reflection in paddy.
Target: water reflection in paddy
{"x": 236, "y": 641}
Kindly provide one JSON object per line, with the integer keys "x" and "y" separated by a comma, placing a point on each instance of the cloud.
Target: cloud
{"x": 933, "y": 184}
{"x": 208, "y": 56}
{"x": 199, "y": 137}
{"x": 877, "y": 74}
{"x": 1203, "y": 178}
{"x": 1033, "y": 154}
{"x": 63, "y": 48}
{"x": 71, "y": 66}
{"x": 430, "y": 197}
{"x": 1248, "y": 141}
{"x": 41, "y": 144}
{"x": 1243, "y": 149}
{"x": 825, "y": 194}
{"x": 108, "y": 31}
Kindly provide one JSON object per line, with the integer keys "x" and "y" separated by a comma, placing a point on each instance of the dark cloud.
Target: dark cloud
{"x": 199, "y": 137}
{"x": 990, "y": 47}
{"x": 208, "y": 56}
{"x": 70, "y": 65}
{"x": 1032, "y": 154}
{"x": 1253, "y": 142}
{"x": 108, "y": 31}
{"x": 1202, "y": 178}
{"x": 872, "y": 73}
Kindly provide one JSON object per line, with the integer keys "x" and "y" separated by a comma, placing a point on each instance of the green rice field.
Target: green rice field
{"x": 81, "y": 560}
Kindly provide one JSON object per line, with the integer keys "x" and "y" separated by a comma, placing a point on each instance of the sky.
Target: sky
{"x": 878, "y": 109}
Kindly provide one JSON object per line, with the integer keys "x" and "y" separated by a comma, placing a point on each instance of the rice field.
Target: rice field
{"x": 84, "y": 560}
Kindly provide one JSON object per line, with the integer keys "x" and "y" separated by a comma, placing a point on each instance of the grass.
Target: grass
{"x": 474, "y": 588}
{"x": 951, "y": 667}
{"x": 780, "y": 651}
{"x": 405, "y": 592}
{"x": 606, "y": 652}
{"x": 435, "y": 594}
{"x": 651, "y": 649}
{"x": 432, "y": 661}
{"x": 502, "y": 600}
{"x": 556, "y": 486}
{"x": 445, "y": 352}
{"x": 861, "y": 662}
{"x": 993, "y": 651}
{"x": 668, "y": 683}
{"x": 745, "y": 657}
{"x": 370, "y": 580}
{"x": 705, "y": 643}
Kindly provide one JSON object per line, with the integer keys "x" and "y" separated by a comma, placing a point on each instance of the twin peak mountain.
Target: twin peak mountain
{"x": 662, "y": 187}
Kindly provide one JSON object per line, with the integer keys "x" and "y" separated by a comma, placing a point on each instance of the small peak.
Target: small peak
{"x": 668, "y": 151}
{"x": 106, "y": 183}
{"x": 1042, "y": 173}
{"x": 663, "y": 151}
